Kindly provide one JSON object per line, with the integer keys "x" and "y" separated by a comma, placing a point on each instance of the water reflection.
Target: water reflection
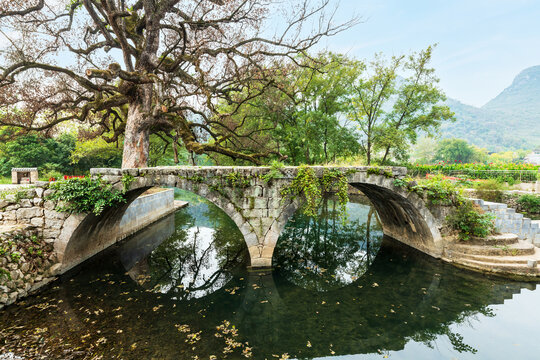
{"x": 325, "y": 252}
{"x": 199, "y": 247}
{"x": 400, "y": 298}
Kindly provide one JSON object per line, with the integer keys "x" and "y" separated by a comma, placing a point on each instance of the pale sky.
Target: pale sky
{"x": 482, "y": 44}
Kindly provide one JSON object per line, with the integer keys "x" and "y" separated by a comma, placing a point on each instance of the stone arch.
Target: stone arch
{"x": 88, "y": 234}
{"x": 403, "y": 215}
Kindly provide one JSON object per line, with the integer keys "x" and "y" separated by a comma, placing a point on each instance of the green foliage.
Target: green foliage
{"x": 18, "y": 194}
{"x": 312, "y": 188}
{"x": 454, "y": 150}
{"x": 127, "y": 180}
{"x": 37, "y": 151}
{"x": 391, "y": 113}
{"x": 490, "y": 190}
{"x": 5, "y": 273}
{"x": 275, "y": 171}
{"x": 470, "y": 222}
{"x": 236, "y": 180}
{"x": 530, "y": 203}
{"x": 15, "y": 256}
{"x": 438, "y": 191}
{"x": 84, "y": 195}
{"x": 375, "y": 170}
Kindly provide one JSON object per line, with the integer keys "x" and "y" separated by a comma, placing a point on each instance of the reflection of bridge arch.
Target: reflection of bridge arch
{"x": 256, "y": 206}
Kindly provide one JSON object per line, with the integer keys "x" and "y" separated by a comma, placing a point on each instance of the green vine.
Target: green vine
{"x": 236, "y": 180}
{"x": 375, "y": 170}
{"x": 127, "y": 180}
{"x": 274, "y": 173}
{"x": 84, "y": 195}
{"x": 312, "y": 188}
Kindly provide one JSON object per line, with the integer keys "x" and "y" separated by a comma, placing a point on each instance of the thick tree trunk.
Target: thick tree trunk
{"x": 137, "y": 138}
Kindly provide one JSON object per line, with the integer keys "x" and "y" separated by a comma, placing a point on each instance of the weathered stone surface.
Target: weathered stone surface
{"x": 49, "y": 205}
{"x": 26, "y": 203}
{"x": 37, "y": 221}
{"x": 51, "y": 214}
{"x": 38, "y": 201}
{"x": 51, "y": 233}
{"x": 39, "y": 192}
{"x": 28, "y": 213}
{"x": 53, "y": 223}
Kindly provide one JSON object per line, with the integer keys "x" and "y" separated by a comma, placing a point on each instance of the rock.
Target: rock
{"x": 49, "y": 205}
{"x": 4, "y": 289}
{"x": 25, "y": 203}
{"x": 51, "y": 233}
{"x": 28, "y": 213}
{"x": 37, "y": 221}
{"x": 51, "y": 214}
{"x": 55, "y": 269}
{"x": 12, "y": 297}
{"x": 39, "y": 192}
{"x": 3, "y": 204}
{"x": 48, "y": 193}
{"x": 38, "y": 201}
{"x": 12, "y": 207}
{"x": 25, "y": 267}
{"x": 4, "y": 297}
{"x": 53, "y": 223}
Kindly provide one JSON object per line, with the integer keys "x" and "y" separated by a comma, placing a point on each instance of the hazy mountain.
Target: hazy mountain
{"x": 510, "y": 121}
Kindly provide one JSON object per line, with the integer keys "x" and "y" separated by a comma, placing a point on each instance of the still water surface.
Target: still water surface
{"x": 180, "y": 290}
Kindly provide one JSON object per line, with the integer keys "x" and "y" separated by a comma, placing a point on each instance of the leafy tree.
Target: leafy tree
{"x": 454, "y": 150}
{"x": 179, "y": 59}
{"x": 303, "y": 119}
{"x": 37, "y": 151}
{"x": 391, "y": 113}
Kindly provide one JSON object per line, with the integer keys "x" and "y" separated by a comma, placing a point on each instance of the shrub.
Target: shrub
{"x": 469, "y": 221}
{"x": 490, "y": 190}
{"x": 84, "y": 195}
{"x": 530, "y": 203}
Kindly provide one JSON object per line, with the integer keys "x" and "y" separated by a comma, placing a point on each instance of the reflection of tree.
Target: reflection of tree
{"x": 198, "y": 258}
{"x": 325, "y": 252}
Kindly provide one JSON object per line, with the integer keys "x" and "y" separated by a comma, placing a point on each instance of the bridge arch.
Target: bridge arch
{"x": 254, "y": 204}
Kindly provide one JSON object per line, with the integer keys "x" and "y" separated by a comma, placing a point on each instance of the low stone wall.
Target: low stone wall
{"x": 27, "y": 263}
{"x": 31, "y": 230}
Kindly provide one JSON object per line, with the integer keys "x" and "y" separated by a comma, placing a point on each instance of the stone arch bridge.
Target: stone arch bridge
{"x": 255, "y": 204}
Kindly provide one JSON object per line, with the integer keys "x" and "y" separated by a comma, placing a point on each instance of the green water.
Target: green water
{"x": 181, "y": 290}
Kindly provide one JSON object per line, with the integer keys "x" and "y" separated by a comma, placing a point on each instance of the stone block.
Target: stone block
{"x": 49, "y": 205}
{"x": 39, "y": 192}
{"x": 53, "y": 223}
{"x": 51, "y": 214}
{"x": 12, "y": 207}
{"x": 48, "y": 193}
{"x": 105, "y": 171}
{"x": 3, "y": 204}
{"x": 26, "y": 203}
{"x": 37, "y": 201}
{"x": 28, "y": 213}
{"x": 37, "y": 221}
{"x": 51, "y": 233}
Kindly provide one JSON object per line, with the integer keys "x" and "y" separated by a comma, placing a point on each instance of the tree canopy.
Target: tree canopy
{"x": 136, "y": 67}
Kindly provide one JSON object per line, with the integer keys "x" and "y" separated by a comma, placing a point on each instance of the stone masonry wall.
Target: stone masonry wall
{"x": 30, "y": 230}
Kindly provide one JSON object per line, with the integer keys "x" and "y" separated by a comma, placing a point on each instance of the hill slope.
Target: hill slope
{"x": 510, "y": 121}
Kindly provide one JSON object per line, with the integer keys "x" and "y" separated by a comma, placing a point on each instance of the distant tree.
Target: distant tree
{"x": 454, "y": 150}
{"x": 391, "y": 113}
{"x": 424, "y": 150}
{"x": 37, "y": 151}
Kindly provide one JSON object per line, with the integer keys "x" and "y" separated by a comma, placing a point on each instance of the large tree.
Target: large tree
{"x": 391, "y": 111}
{"x": 135, "y": 67}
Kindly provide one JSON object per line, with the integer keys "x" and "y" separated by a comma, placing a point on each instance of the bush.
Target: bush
{"x": 530, "y": 203}
{"x": 469, "y": 221}
{"x": 490, "y": 190}
{"x": 84, "y": 195}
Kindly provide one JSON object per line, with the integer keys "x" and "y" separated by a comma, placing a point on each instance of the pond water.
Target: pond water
{"x": 181, "y": 289}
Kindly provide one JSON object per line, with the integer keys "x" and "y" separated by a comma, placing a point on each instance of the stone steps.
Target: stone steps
{"x": 508, "y": 221}
{"x": 524, "y": 259}
{"x": 520, "y": 248}
{"x": 503, "y": 269}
